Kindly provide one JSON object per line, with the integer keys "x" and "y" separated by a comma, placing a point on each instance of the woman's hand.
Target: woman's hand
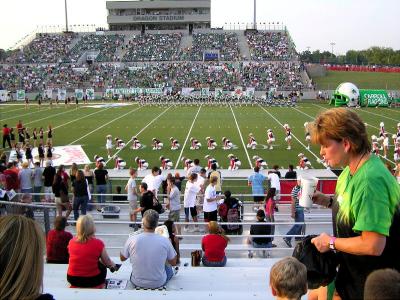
{"x": 320, "y": 199}
{"x": 321, "y": 242}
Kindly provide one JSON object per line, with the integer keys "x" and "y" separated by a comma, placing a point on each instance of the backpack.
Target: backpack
{"x": 233, "y": 216}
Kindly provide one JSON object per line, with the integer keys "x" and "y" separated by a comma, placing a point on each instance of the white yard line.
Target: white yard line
{"x": 241, "y": 137}
{"x": 23, "y": 115}
{"x": 8, "y": 111}
{"x": 316, "y": 157}
{"x": 113, "y": 120}
{"x": 85, "y": 116}
{"x": 48, "y": 117}
{"x": 141, "y": 130}
{"x": 387, "y": 159}
{"x": 187, "y": 138}
{"x": 370, "y": 112}
{"x": 368, "y": 125}
{"x": 396, "y": 110}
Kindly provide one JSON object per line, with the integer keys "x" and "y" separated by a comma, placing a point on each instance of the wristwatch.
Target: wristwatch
{"x": 332, "y": 243}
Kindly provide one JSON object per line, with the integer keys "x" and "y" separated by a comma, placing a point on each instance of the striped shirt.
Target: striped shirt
{"x": 295, "y": 195}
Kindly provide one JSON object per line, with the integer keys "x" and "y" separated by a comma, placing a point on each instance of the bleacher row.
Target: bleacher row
{"x": 260, "y": 75}
{"x": 56, "y": 48}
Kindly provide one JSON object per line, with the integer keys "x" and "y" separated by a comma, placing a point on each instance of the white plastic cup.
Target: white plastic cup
{"x": 308, "y": 187}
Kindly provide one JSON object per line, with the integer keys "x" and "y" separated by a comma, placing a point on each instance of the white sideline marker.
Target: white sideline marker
{"x": 89, "y": 133}
{"x": 141, "y": 130}
{"x": 317, "y": 158}
{"x": 241, "y": 137}
{"x": 187, "y": 137}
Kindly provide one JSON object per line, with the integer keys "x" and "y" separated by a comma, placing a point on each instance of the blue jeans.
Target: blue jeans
{"x": 80, "y": 202}
{"x": 255, "y": 245}
{"x": 170, "y": 273}
{"x": 101, "y": 189}
{"x": 207, "y": 263}
{"x": 36, "y": 189}
{"x": 297, "y": 229}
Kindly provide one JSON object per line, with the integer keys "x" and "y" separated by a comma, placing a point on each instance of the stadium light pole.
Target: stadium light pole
{"x": 66, "y": 16}
{"x": 332, "y": 45}
{"x": 254, "y": 16}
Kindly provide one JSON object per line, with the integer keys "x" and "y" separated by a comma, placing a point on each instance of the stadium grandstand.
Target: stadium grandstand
{"x": 160, "y": 73}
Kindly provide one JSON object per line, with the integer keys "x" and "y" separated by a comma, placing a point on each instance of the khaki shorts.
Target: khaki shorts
{"x": 132, "y": 205}
{"x": 174, "y": 215}
{"x": 58, "y": 201}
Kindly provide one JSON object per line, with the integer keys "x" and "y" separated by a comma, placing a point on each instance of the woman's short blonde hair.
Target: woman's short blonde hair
{"x": 338, "y": 124}
{"x": 84, "y": 228}
{"x": 213, "y": 227}
{"x": 21, "y": 258}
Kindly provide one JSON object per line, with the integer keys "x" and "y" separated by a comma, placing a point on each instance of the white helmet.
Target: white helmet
{"x": 381, "y": 124}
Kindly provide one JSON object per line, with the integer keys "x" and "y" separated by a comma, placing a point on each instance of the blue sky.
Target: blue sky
{"x": 350, "y": 24}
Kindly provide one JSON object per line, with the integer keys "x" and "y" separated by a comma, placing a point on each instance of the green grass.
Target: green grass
{"x": 363, "y": 80}
{"x": 89, "y": 127}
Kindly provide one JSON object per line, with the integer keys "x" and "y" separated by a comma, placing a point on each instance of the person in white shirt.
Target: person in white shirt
{"x": 189, "y": 199}
{"x": 210, "y": 206}
{"x": 154, "y": 180}
{"x": 130, "y": 188}
{"x": 109, "y": 145}
{"x": 149, "y": 254}
{"x": 275, "y": 184}
{"x": 195, "y": 168}
{"x": 201, "y": 181}
{"x": 174, "y": 202}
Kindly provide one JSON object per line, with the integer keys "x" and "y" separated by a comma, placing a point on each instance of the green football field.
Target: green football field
{"x": 89, "y": 126}
{"x": 363, "y": 80}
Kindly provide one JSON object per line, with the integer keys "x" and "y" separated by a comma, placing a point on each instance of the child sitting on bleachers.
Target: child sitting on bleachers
{"x": 288, "y": 279}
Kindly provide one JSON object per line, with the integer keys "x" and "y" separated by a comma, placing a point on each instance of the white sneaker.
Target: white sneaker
{"x": 270, "y": 148}
{"x": 288, "y": 148}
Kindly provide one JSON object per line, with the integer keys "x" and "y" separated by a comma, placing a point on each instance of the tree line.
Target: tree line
{"x": 371, "y": 56}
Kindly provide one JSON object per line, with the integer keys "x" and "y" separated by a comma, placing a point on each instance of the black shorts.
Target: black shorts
{"x": 193, "y": 211}
{"x": 210, "y": 216}
{"x": 258, "y": 199}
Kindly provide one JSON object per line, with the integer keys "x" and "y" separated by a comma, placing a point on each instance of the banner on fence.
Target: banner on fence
{"x": 90, "y": 94}
{"x": 186, "y": 91}
{"x": 238, "y": 92}
{"x": 219, "y": 93}
{"x": 79, "y": 94}
{"x": 3, "y": 95}
{"x": 250, "y": 92}
{"x": 62, "y": 94}
{"x": 374, "y": 98}
{"x": 48, "y": 93}
{"x": 20, "y": 95}
{"x": 205, "y": 92}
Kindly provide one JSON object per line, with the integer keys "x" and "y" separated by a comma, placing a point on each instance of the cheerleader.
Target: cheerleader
{"x": 50, "y": 135}
{"x": 12, "y": 138}
{"x": 174, "y": 143}
{"x": 259, "y": 162}
{"x": 157, "y": 145}
{"x": 394, "y": 138}
{"x": 304, "y": 163}
{"x": 34, "y": 136}
{"x": 41, "y": 135}
{"x": 119, "y": 163}
{"x": 166, "y": 163}
{"x": 385, "y": 144}
{"x": 41, "y": 154}
{"x": 21, "y": 136}
{"x": 109, "y": 145}
{"x": 28, "y": 155}
{"x": 18, "y": 152}
{"x": 375, "y": 145}
{"x": 288, "y": 137}
{"x": 382, "y": 133}
{"x": 141, "y": 163}
{"x": 119, "y": 144}
{"x": 136, "y": 143}
{"x": 396, "y": 155}
{"x": 211, "y": 161}
{"x": 195, "y": 144}
{"x": 234, "y": 162}
{"x": 308, "y": 136}
{"x": 187, "y": 162}
{"x": 252, "y": 142}
{"x": 270, "y": 138}
{"x": 227, "y": 144}
{"x": 27, "y": 136}
{"x": 99, "y": 160}
{"x": 49, "y": 151}
{"x": 211, "y": 143}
